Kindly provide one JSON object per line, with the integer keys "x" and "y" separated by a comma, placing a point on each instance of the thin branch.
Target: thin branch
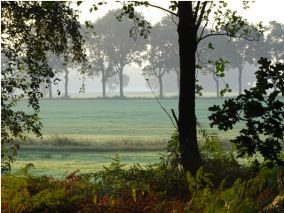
{"x": 158, "y": 7}
{"x": 201, "y": 34}
{"x": 206, "y": 67}
{"x": 196, "y": 11}
{"x": 212, "y": 34}
{"x": 163, "y": 108}
{"x": 201, "y": 14}
{"x": 161, "y": 8}
{"x": 175, "y": 117}
{"x": 206, "y": 22}
{"x": 172, "y": 18}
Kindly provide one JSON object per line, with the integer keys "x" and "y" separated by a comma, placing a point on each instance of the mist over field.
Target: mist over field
{"x": 109, "y": 103}
{"x": 142, "y": 106}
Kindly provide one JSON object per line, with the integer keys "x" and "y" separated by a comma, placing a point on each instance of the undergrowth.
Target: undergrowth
{"x": 220, "y": 185}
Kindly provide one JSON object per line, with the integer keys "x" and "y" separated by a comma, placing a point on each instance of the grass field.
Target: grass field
{"x": 115, "y": 119}
{"x": 85, "y": 134}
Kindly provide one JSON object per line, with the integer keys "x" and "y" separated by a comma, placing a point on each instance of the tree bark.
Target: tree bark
{"x": 121, "y": 95}
{"x": 187, "y": 32}
{"x": 66, "y": 95}
{"x": 240, "y": 80}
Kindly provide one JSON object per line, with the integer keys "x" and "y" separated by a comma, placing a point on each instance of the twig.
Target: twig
{"x": 163, "y": 108}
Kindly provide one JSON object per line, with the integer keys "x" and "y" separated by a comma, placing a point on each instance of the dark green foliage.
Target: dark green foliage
{"x": 264, "y": 131}
{"x": 155, "y": 188}
{"x": 29, "y": 30}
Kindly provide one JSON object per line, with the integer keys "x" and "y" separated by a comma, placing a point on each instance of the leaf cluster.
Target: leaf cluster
{"x": 29, "y": 31}
{"x": 263, "y": 116}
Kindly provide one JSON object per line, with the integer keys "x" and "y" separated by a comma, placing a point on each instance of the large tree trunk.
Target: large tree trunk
{"x": 121, "y": 83}
{"x": 240, "y": 80}
{"x": 66, "y": 95}
{"x": 161, "y": 86}
{"x": 190, "y": 156}
{"x": 49, "y": 88}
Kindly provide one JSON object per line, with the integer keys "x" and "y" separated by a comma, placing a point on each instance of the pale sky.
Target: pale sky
{"x": 260, "y": 10}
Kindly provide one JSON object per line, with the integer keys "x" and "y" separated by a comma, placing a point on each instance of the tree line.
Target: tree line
{"x": 28, "y": 43}
{"x": 110, "y": 50}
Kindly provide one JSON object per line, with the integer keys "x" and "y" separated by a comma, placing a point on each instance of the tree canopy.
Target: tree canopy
{"x": 29, "y": 31}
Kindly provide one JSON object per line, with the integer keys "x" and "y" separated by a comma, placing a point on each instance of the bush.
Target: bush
{"x": 221, "y": 185}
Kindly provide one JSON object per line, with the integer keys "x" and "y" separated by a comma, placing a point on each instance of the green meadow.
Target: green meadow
{"x": 85, "y": 134}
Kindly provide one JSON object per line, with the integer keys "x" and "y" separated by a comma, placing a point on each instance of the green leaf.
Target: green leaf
{"x": 210, "y": 46}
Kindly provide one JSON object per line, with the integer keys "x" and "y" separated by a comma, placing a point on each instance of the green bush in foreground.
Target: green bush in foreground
{"x": 156, "y": 188}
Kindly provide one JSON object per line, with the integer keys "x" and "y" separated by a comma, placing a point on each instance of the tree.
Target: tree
{"x": 238, "y": 55}
{"x": 274, "y": 42}
{"x": 29, "y": 30}
{"x": 264, "y": 117}
{"x": 99, "y": 62}
{"x": 192, "y": 17}
{"x": 162, "y": 53}
{"x": 113, "y": 82}
{"x": 213, "y": 59}
{"x": 59, "y": 65}
{"x": 156, "y": 57}
{"x": 118, "y": 47}
{"x": 169, "y": 33}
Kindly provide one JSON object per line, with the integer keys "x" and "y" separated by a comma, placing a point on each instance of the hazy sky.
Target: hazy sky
{"x": 260, "y": 10}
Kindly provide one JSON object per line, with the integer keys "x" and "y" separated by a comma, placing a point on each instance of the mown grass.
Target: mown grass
{"x": 116, "y": 118}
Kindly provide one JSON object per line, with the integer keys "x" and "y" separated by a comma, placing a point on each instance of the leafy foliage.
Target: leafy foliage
{"x": 29, "y": 30}
{"x": 155, "y": 188}
{"x": 264, "y": 132}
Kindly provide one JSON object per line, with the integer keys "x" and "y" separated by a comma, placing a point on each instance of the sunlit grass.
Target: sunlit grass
{"x": 57, "y": 164}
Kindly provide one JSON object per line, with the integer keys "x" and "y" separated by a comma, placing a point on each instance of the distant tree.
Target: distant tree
{"x": 156, "y": 57}
{"x": 169, "y": 34}
{"x": 274, "y": 42}
{"x": 118, "y": 47}
{"x": 113, "y": 82}
{"x": 213, "y": 60}
{"x": 270, "y": 46}
{"x": 29, "y": 30}
{"x": 162, "y": 54}
{"x": 264, "y": 117}
{"x": 98, "y": 60}
{"x": 60, "y": 65}
{"x": 240, "y": 53}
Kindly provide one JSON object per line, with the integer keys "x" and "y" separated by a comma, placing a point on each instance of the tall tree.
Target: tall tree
{"x": 192, "y": 17}
{"x": 98, "y": 60}
{"x": 238, "y": 55}
{"x": 59, "y": 66}
{"x": 273, "y": 44}
{"x": 113, "y": 82}
{"x": 29, "y": 30}
{"x": 119, "y": 48}
{"x": 156, "y": 56}
{"x": 169, "y": 33}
